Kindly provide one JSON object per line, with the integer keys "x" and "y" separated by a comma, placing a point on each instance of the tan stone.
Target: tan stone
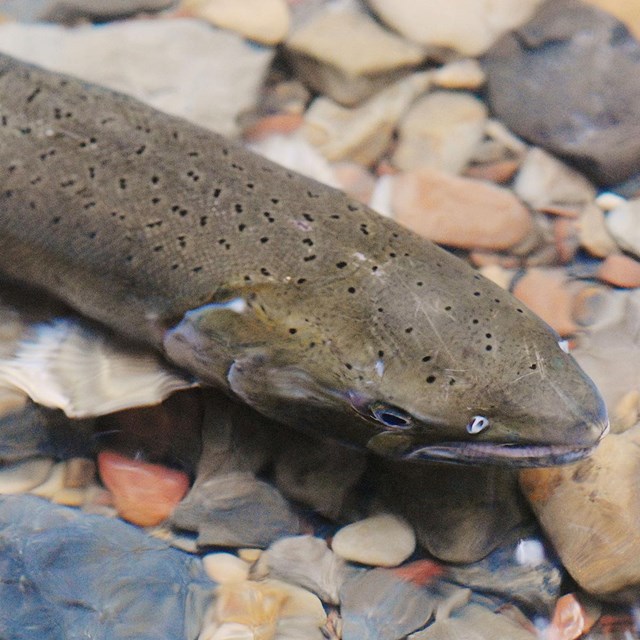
{"x": 593, "y": 232}
{"x": 459, "y": 212}
{"x": 623, "y": 223}
{"x": 24, "y": 475}
{"x": 460, "y": 74}
{"x": 79, "y": 472}
{"x": 225, "y": 568}
{"x": 355, "y": 180}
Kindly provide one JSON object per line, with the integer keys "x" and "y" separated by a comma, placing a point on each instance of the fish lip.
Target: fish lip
{"x": 513, "y": 455}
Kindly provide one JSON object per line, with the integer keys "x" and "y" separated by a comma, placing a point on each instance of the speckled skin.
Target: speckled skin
{"x": 134, "y": 218}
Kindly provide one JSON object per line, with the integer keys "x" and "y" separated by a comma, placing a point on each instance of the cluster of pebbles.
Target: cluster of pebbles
{"x": 510, "y": 135}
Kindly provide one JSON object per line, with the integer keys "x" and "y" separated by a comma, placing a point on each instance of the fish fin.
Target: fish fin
{"x": 65, "y": 365}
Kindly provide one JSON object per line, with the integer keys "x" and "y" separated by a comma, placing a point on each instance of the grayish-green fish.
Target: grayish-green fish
{"x": 304, "y": 303}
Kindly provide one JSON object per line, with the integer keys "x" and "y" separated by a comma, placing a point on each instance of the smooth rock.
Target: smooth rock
{"x": 498, "y": 171}
{"x": 467, "y": 26}
{"x": 265, "y": 21}
{"x": 625, "y": 11}
{"x": 593, "y": 233}
{"x": 588, "y": 303}
{"x": 569, "y": 81}
{"x": 23, "y": 476}
{"x": 620, "y": 270}
{"x": 225, "y": 568}
{"x": 143, "y": 493}
{"x": 278, "y": 124}
{"x": 71, "y": 11}
{"x": 79, "y": 473}
{"x": 459, "y": 212}
{"x": 589, "y": 511}
{"x": 227, "y": 631}
{"x": 361, "y": 134}
{"x": 420, "y": 572}
{"x": 298, "y": 602}
{"x": 299, "y": 628}
{"x": 460, "y": 74}
{"x": 568, "y": 620}
{"x": 354, "y": 180}
{"x": 53, "y": 483}
{"x": 608, "y": 200}
{"x": 544, "y": 181}
{"x": 625, "y": 412}
{"x": 382, "y": 540}
{"x": 440, "y": 130}
{"x": 347, "y": 56}
{"x": 623, "y": 223}
{"x": 565, "y": 238}
{"x": 133, "y": 57}
{"x": 93, "y": 577}
{"x": 305, "y": 561}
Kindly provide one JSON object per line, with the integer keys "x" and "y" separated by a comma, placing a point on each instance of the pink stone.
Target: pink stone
{"x": 620, "y": 271}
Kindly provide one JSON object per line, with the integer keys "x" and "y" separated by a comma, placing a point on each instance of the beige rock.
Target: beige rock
{"x": 590, "y": 512}
{"x": 299, "y": 628}
{"x": 460, "y": 74}
{"x": 625, "y": 11}
{"x": 225, "y": 568}
{"x": 625, "y": 413}
{"x": 382, "y": 540}
{"x": 501, "y": 276}
{"x": 11, "y": 401}
{"x": 346, "y": 55}
{"x": 52, "y": 484}
{"x": 593, "y": 232}
{"x": 25, "y": 475}
{"x": 499, "y": 171}
{"x": 265, "y": 21}
{"x": 543, "y": 181}
{"x": 620, "y": 270}
{"x": 608, "y": 200}
{"x": 623, "y": 224}
{"x": 460, "y": 212}
{"x": 79, "y": 472}
{"x": 70, "y": 497}
{"x": 298, "y": 602}
{"x": 355, "y": 180}
{"x": 467, "y": 26}
{"x": 250, "y": 555}
{"x": 440, "y": 130}
{"x": 588, "y": 303}
{"x": 227, "y": 631}
{"x": 362, "y": 134}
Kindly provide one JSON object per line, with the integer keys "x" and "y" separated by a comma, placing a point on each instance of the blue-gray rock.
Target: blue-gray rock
{"x": 66, "y": 575}
{"x": 569, "y": 81}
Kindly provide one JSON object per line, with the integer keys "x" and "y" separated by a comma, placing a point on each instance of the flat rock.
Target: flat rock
{"x": 382, "y": 540}
{"x": 623, "y": 223}
{"x": 593, "y": 233}
{"x": 133, "y": 57}
{"x": 569, "y": 81}
{"x": 467, "y": 26}
{"x": 589, "y": 511}
{"x": 22, "y": 476}
{"x": 620, "y": 271}
{"x": 440, "y": 130}
{"x": 89, "y": 576}
{"x": 225, "y": 568}
{"x": 347, "y": 56}
{"x": 466, "y": 73}
{"x": 459, "y": 212}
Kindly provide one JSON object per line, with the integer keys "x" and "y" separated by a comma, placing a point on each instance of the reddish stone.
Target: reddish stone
{"x": 620, "y": 271}
{"x": 420, "y": 572}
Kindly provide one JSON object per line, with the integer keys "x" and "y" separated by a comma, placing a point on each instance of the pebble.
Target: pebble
{"x": 69, "y": 12}
{"x": 626, "y": 12}
{"x": 361, "y": 134}
{"x": 225, "y": 568}
{"x": 466, "y": 73}
{"x": 608, "y": 200}
{"x": 623, "y": 223}
{"x": 265, "y": 21}
{"x": 347, "y": 56}
{"x": 544, "y": 181}
{"x": 544, "y": 84}
{"x": 587, "y": 305}
{"x": 53, "y": 483}
{"x": 143, "y": 493}
{"x": 625, "y": 412}
{"x": 589, "y": 511}
{"x": 620, "y": 270}
{"x": 459, "y": 212}
{"x": 282, "y": 124}
{"x": 306, "y": 561}
{"x": 440, "y": 130}
{"x": 382, "y": 540}
{"x": 19, "y": 477}
{"x": 593, "y": 233}
{"x": 298, "y": 603}
{"x": 420, "y": 572}
{"x": 465, "y": 26}
{"x": 499, "y": 171}
{"x": 79, "y": 473}
{"x": 568, "y": 621}
{"x": 355, "y": 180}
{"x": 133, "y": 57}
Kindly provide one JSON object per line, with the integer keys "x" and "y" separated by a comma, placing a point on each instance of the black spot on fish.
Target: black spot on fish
{"x": 431, "y": 379}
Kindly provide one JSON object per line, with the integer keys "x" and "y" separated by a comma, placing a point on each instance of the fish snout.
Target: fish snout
{"x": 594, "y": 425}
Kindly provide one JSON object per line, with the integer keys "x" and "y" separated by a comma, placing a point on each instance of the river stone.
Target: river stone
{"x": 66, "y": 574}
{"x": 623, "y": 223}
{"x": 21, "y": 476}
{"x": 225, "y": 568}
{"x": 590, "y": 512}
{"x": 593, "y": 233}
{"x": 569, "y": 81}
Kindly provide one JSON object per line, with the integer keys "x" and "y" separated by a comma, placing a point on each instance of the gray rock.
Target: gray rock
{"x": 65, "y": 574}
{"x": 569, "y": 81}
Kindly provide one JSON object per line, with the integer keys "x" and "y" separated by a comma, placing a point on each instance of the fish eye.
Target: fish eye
{"x": 391, "y": 416}
{"x": 477, "y": 424}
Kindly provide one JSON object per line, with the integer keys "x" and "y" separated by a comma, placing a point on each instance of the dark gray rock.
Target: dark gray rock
{"x": 569, "y": 81}
{"x": 66, "y": 575}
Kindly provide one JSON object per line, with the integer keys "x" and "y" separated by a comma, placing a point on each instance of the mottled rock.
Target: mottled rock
{"x": 441, "y": 130}
{"x": 623, "y": 223}
{"x": 266, "y": 21}
{"x": 307, "y": 562}
{"x": 589, "y": 511}
{"x": 459, "y": 212}
{"x": 361, "y": 134}
{"x": 593, "y": 232}
{"x": 569, "y": 81}
{"x": 460, "y": 74}
{"x": 466, "y": 26}
{"x": 133, "y": 57}
{"x": 225, "y": 568}
{"x": 346, "y": 55}
{"x": 90, "y": 576}
{"x": 620, "y": 271}
{"x": 381, "y": 540}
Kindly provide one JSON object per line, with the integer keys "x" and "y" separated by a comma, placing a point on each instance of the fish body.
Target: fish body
{"x": 304, "y": 303}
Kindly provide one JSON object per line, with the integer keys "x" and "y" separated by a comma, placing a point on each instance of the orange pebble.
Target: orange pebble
{"x": 620, "y": 271}
{"x": 567, "y": 622}
{"x": 420, "y": 572}
{"x": 143, "y": 493}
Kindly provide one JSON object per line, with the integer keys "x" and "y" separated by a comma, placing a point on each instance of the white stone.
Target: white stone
{"x": 440, "y": 130}
{"x": 265, "y": 21}
{"x": 23, "y": 476}
{"x": 608, "y": 200}
{"x": 382, "y": 540}
{"x": 180, "y": 66}
{"x": 225, "y": 568}
{"x": 52, "y": 484}
{"x": 623, "y": 224}
{"x": 460, "y": 74}
{"x": 226, "y": 631}
{"x": 298, "y": 603}
{"x": 468, "y": 26}
{"x": 381, "y": 196}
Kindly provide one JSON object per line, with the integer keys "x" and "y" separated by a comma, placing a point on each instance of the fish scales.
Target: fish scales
{"x": 304, "y": 303}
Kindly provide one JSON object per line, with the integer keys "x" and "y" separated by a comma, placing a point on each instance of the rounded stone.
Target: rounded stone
{"x": 225, "y": 568}
{"x": 24, "y": 475}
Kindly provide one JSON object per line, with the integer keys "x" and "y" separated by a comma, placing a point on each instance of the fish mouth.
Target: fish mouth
{"x": 513, "y": 455}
